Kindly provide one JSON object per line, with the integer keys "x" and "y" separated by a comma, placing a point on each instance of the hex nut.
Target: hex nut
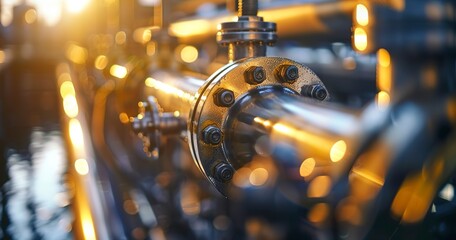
{"x": 255, "y": 75}
{"x": 287, "y": 73}
{"x": 224, "y": 172}
{"x": 212, "y": 135}
{"x": 224, "y": 98}
{"x": 316, "y": 91}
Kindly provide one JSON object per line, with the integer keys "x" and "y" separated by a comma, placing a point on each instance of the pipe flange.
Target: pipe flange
{"x": 247, "y": 29}
{"x": 209, "y": 114}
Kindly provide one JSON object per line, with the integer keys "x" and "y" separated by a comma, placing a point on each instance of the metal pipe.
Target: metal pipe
{"x": 329, "y": 21}
{"x": 269, "y": 120}
{"x": 175, "y": 93}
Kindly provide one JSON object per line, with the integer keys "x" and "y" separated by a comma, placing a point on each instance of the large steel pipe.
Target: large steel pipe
{"x": 270, "y": 118}
{"x": 174, "y": 92}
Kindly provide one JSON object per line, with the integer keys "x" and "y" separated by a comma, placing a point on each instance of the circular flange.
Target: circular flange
{"x": 247, "y": 29}
{"x": 206, "y": 112}
{"x": 147, "y": 126}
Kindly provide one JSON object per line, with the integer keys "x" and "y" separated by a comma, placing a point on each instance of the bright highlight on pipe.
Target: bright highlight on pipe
{"x": 70, "y": 106}
{"x": 338, "y": 150}
{"x": 81, "y": 166}
{"x": 88, "y": 229}
{"x": 67, "y": 89}
{"x": 76, "y": 134}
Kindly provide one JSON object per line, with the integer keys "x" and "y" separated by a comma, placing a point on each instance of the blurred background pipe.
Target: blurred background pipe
{"x": 329, "y": 21}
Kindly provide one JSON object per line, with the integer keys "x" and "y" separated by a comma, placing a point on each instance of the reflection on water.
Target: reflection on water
{"x": 38, "y": 201}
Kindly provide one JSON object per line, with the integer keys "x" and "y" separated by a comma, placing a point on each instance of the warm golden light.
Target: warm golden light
{"x": 189, "y": 54}
{"x": 413, "y": 199}
{"x": 121, "y": 37}
{"x": 101, "y": 62}
{"x": 241, "y": 177}
{"x": 64, "y": 77}
{"x": 146, "y": 36}
{"x": 189, "y": 199}
{"x": 259, "y": 177}
{"x": 362, "y": 15}
{"x": 284, "y": 129}
{"x": 360, "y": 39}
{"x": 2, "y": 56}
{"x": 307, "y": 167}
{"x": 76, "y": 6}
{"x": 383, "y": 99}
{"x": 383, "y": 57}
{"x": 30, "y": 16}
{"x": 123, "y": 117}
{"x": 319, "y": 187}
{"x": 81, "y": 166}
{"x": 190, "y": 28}
{"x": 266, "y": 123}
{"x": 318, "y": 213}
{"x": 76, "y": 135}
{"x": 349, "y": 211}
{"x": 67, "y": 89}
{"x": 384, "y": 71}
{"x": 88, "y": 229}
{"x": 337, "y": 151}
{"x": 451, "y": 110}
{"x": 398, "y": 5}
{"x": 370, "y": 176}
{"x": 49, "y": 11}
{"x": 70, "y": 106}
{"x": 118, "y": 71}
{"x": 318, "y": 145}
{"x": 150, "y": 49}
{"x": 130, "y": 207}
{"x": 169, "y": 89}
{"x": 76, "y": 54}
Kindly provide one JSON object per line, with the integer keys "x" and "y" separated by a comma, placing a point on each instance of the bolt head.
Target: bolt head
{"x": 212, "y": 135}
{"x": 255, "y": 75}
{"x": 314, "y": 91}
{"x": 224, "y": 172}
{"x": 224, "y": 98}
{"x": 320, "y": 93}
{"x": 288, "y": 73}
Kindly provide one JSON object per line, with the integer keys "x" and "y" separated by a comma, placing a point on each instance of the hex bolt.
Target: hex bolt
{"x": 224, "y": 98}
{"x": 316, "y": 91}
{"x": 224, "y": 172}
{"x": 255, "y": 75}
{"x": 212, "y": 135}
{"x": 287, "y": 73}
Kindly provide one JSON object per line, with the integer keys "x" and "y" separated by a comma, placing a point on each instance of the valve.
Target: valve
{"x": 151, "y": 123}
{"x": 249, "y": 36}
